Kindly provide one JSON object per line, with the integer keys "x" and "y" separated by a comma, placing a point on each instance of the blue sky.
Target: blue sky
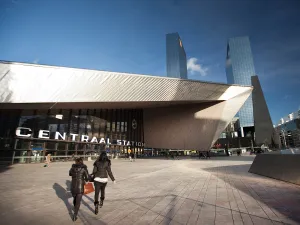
{"x": 129, "y": 36}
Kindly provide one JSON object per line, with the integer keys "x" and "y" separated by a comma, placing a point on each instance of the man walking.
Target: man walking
{"x": 226, "y": 150}
{"x": 129, "y": 154}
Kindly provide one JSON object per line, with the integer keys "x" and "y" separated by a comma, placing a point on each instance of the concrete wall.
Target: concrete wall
{"x": 190, "y": 126}
{"x": 264, "y": 131}
{"x": 176, "y": 127}
{"x": 277, "y": 166}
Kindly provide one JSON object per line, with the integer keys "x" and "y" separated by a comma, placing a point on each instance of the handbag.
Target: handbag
{"x": 88, "y": 188}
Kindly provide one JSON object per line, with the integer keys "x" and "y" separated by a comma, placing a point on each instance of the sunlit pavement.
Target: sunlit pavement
{"x": 152, "y": 191}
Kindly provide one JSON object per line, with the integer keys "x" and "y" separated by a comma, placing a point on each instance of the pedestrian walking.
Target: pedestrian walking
{"x": 48, "y": 160}
{"x": 102, "y": 167}
{"x": 129, "y": 155}
{"x": 208, "y": 154}
{"x": 80, "y": 175}
{"x": 226, "y": 150}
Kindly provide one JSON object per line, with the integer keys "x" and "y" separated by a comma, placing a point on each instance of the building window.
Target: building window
{"x": 118, "y": 126}
{"x": 122, "y": 127}
{"x": 108, "y": 126}
{"x": 113, "y": 127}
{"x": 125, "y": 127}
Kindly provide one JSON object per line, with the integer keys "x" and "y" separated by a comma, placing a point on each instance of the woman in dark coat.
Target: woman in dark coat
{"x": 102, "y": 167}
{"x": 79, "y": 175}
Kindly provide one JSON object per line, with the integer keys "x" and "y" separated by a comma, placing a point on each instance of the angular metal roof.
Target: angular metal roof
{"x": 30, "y": 83}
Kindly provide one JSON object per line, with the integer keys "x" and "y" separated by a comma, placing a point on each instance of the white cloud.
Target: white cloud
{"x": 36, "y": 61}
{"x": 195, "y": 67}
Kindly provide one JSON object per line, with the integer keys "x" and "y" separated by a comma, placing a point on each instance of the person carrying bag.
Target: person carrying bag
{"x": 80, "y": 176}
{"x": 102, "y": 167}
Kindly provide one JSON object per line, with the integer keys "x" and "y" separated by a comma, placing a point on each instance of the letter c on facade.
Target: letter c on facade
{"x": 19, "y": 129}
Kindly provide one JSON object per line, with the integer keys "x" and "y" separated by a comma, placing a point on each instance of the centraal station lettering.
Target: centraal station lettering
{"x": 25, "y": 132}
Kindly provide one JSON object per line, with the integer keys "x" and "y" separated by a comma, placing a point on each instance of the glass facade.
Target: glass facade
{"x": 288, "y": 129}
{"x": 69, "y": 132}
{"x": 176, "y": 57}
{"x": 289, "y": 134}
{"x": 239, "y": 69}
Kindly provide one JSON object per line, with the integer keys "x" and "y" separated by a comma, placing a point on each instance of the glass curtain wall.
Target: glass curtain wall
{"x": 112, "y": 124}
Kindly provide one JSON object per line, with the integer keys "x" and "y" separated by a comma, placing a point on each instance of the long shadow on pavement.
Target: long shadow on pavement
{"x": 168, "y": 217}
{"x": 68, "y": 183}
{"x": 4, "y": 168}
{"x": 279, "y": 196}
{"x": 64, "y": 196}
{"x": 83, "y": 216}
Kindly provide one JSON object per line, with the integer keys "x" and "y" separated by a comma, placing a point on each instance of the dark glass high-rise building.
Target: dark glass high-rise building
{"x": 176, "y": 57}
{"x": 239, "y": 69}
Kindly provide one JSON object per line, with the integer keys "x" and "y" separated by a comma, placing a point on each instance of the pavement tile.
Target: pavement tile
{"x": 223, "y": 222}
{"x": 223, "y": 211}
{"x": 238, "y": 223}
{"x": 182, "y": 216}
{"x": 216, "y": 191}
{"x": 206, "y": 221}
{"x": 157, "y": 220}
{"x": 224, "y": 218}
{"x": 165, "y": 221}
{"x": 174, "y": 222}
{"x": 148, "y": 218}
{"x": 246, "y": 219}
{"x": 236, "y": 216}
{"x": 194, "y": 215}
{"x": 261, "y": 221}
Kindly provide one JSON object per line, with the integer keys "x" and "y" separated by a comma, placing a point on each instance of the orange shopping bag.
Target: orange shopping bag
{"x": 88, "y": 188}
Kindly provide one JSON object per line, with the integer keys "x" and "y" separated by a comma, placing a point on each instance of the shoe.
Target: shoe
{"x": 96, "y": 207}
{"x": 74, "y": 217}
{"x": 101, "y": 203}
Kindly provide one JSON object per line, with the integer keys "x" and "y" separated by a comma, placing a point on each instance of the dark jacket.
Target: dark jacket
{"x": 101, "y": 169}
{"x": 79, "y": 175}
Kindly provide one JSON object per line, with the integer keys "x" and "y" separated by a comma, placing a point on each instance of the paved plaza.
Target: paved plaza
{"x": 152, "y": 191}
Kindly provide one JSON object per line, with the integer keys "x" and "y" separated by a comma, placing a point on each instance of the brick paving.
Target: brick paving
{"x": 152, "y": 191}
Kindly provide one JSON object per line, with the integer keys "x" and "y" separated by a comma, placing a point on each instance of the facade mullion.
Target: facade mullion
{"x": 69, "y": 121}
{"x": 93, "y": 119}
{"x": 100, "y": 125}
{"x": 129, "y": 127}
{"x": 77, "y": 122}
{"x": 86, "y": 121}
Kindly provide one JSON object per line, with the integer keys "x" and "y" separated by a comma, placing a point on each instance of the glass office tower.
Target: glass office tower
{"x": 176, "y": 57}
{"x": 239, "y": 69}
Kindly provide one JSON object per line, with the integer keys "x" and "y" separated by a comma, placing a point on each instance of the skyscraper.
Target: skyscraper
{"x": 239, "y": 69}
{"x": 176, "y": 57}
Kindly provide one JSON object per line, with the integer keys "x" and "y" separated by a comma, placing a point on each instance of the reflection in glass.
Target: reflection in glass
{"x": 101, "y": 123}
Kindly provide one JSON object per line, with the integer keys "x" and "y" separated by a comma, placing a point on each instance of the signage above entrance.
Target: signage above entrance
{"x": 45, "y": 134}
